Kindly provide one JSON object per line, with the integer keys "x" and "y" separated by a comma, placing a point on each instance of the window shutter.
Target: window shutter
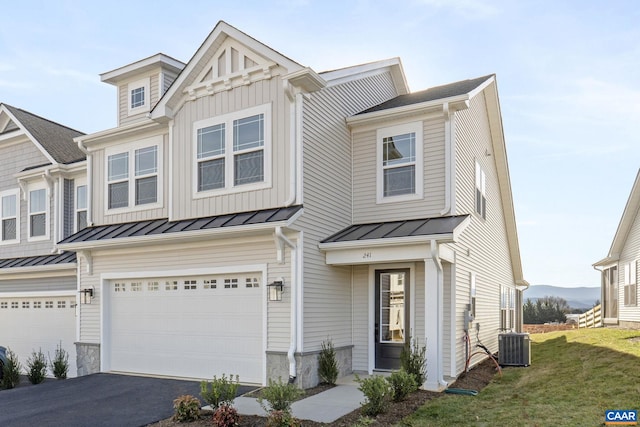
{"x": 633, "y": 272}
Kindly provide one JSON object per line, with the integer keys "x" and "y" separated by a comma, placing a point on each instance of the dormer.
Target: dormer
{"x": 141, "y": 84}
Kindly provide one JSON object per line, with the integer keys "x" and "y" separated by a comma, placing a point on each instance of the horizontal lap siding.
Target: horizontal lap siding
{"x": 360, "y": 318}
{"x": 327, "y": 203}
{"x": 41, "y": 284}
{"x": 366, "y": 208}
{"x": 482, "y": 248}
{"x": 237, "y": 99}
{"x": 629, "y": 253}
{"x": 100, "y": 189}
{"x": 216, "y": 254}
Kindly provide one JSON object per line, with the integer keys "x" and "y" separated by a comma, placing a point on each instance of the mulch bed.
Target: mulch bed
{"x": 475, "y": 379}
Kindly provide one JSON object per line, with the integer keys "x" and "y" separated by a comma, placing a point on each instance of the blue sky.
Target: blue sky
{"x": 567, "y": 76}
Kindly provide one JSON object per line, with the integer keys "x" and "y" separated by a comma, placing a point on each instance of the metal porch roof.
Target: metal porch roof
{"x": 42, "y": 260}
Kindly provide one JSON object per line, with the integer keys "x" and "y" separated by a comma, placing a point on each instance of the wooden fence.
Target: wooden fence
{"x": 591, "y": 318}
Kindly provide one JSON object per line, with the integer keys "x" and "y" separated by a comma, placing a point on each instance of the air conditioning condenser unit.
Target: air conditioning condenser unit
{"x": 514, "y": 349}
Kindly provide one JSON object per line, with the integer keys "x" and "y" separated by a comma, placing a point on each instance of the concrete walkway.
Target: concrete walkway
{"x": 324, "y": 407}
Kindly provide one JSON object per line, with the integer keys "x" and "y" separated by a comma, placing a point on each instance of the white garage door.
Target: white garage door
{"x": 30, "y": 324}
{"x": 192, "y": 327}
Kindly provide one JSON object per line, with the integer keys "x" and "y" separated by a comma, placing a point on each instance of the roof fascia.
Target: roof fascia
{"x": 220, "y": 31}
{"x": 489, "y": 88}
{"x": 53, "y": 169}
{"x": 388, "y": 242}
{"x": 456, "y": 103}
{"x": 28, "y": 134}
{"x": 356, "y": 72}
{"x": 128, "y": 131}
{"x": 158, "y": 60}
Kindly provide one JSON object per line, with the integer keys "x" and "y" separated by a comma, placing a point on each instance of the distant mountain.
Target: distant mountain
{"x": 582, "y": 297}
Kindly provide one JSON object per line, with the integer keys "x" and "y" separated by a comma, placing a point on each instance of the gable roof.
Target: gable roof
{"x": 629, "y": 216}
{"x": 435, "y": 93}
{"x": 54, "y": 139}
{"x": 216, "y": 38}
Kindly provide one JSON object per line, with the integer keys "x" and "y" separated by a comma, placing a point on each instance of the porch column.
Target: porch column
{"x": 433, "y": 318}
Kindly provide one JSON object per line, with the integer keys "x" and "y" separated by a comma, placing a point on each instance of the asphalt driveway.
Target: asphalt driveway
{"x": 95, "y": 400}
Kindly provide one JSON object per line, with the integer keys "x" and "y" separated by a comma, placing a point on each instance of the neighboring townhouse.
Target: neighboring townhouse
{"x": 42, "y": 200}
{"x": 619, "y": 269}
{"x": 248, "y": 208}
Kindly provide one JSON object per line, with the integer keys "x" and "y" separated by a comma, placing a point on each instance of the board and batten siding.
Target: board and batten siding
{"x": 99, "y": 201}
{"x": 327, "y": 203}
{"x": 24, "y": 155}
{"x": 483, "y": 247}
{"x": 212, "y": 254}
{"x": 628, "y": 254}
{"x": 123, "y": 98}
{"x": 365, "y": 206}
{"x": 234, "y": 100}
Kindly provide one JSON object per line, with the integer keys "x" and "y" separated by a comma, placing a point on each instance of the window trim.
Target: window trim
{"x": 79, "y": 182}
{"x": 480, "y": 187}
{"x": 630, "y": 284}
{"x": 229, "y": 154}
{"x": 418, "y": 129}
{"x": 16, "y": 194}
{"x": 45, "y": 236}
{"x": 130, "y": 149}
{"x": 142, "y": 83}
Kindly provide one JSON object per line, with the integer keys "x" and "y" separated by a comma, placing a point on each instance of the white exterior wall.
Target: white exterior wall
{"x": 365, "y": 171}
{"x": 482, "y": 248}
{"x": 234, "y": 100}
{"x": 163, "y": 261}
{"x": 327, "y": 203}
{"x": 630, "y": 252}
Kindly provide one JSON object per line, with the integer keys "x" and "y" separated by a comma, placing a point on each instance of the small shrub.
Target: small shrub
{"x": 327, "y": 363}
{"x": 413, "y": 359}
{"x": 279, "y": 395}
{"x": 220, "y": 391}
{"x": 36, "y": 367}
{"x": 186, "y": 408}
{"x": 59, "y": 365}
{"x": 364, "y": 422}
{"x": 11, "y": 371}
{"x": 282, "y": 419}
{"x": 226, "y": 416}
{"x": 402, "y": 384}
{"x": 377, "y": 393}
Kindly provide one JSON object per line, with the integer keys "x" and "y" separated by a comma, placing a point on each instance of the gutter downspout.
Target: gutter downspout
{"x": 435, "y": 255}
{"x": 282, "y": 240}
{"x": 295, "y": 128}
{"x": 448, "y": 169}
{"x": 87, "y": 153}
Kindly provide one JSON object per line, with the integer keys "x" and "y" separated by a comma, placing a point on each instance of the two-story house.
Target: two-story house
{"x": 42, "y": 200}
{"x": 247, "y": 208}
{"x": 619, "y": 269}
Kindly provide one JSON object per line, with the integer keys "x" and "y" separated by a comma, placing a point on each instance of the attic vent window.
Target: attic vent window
{"x": 137, "y": 97}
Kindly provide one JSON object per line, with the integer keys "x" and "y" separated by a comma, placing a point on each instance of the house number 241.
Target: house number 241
{"x": 366, "y": 255}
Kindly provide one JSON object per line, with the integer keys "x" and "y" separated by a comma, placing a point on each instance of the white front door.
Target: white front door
{"x": 191, "y": 327}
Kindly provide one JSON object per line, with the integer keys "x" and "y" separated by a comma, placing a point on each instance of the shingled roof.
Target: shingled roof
{"x": 55, "y": 138}
{"x": 431, "y": 94}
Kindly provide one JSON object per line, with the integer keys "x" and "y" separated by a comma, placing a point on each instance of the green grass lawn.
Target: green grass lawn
{"x": 573, "y": 378}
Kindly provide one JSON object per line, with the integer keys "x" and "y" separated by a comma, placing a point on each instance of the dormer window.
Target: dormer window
{"x": 400, "y": 160}
{"x": 138, "y": 96}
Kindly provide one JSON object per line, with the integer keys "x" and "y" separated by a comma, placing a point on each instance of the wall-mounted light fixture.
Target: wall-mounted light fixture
{"x": 86, "y": 295}
{"x": 275, "y": 290}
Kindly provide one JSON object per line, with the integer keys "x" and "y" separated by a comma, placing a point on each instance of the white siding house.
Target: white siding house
{"x": 248, "y": 208}
{"x": 42, "y": 183}
{"x": 619, "y": 294}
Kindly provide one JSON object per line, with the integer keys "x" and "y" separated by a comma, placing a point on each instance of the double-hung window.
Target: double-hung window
{"x": 133, "y": 178}
{"x": 81, "y": 207}
{"x": 630, "y": 284}
{"x": 481, "y": 191}
{"x": 399, "y": 163}
{"x": 9, "y": 216}
{"x": 233, "y": 151}
{"x": 38, "y": 223}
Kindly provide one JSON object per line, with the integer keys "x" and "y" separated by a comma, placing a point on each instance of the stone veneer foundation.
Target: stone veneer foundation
{"x": 87, "y": 358}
